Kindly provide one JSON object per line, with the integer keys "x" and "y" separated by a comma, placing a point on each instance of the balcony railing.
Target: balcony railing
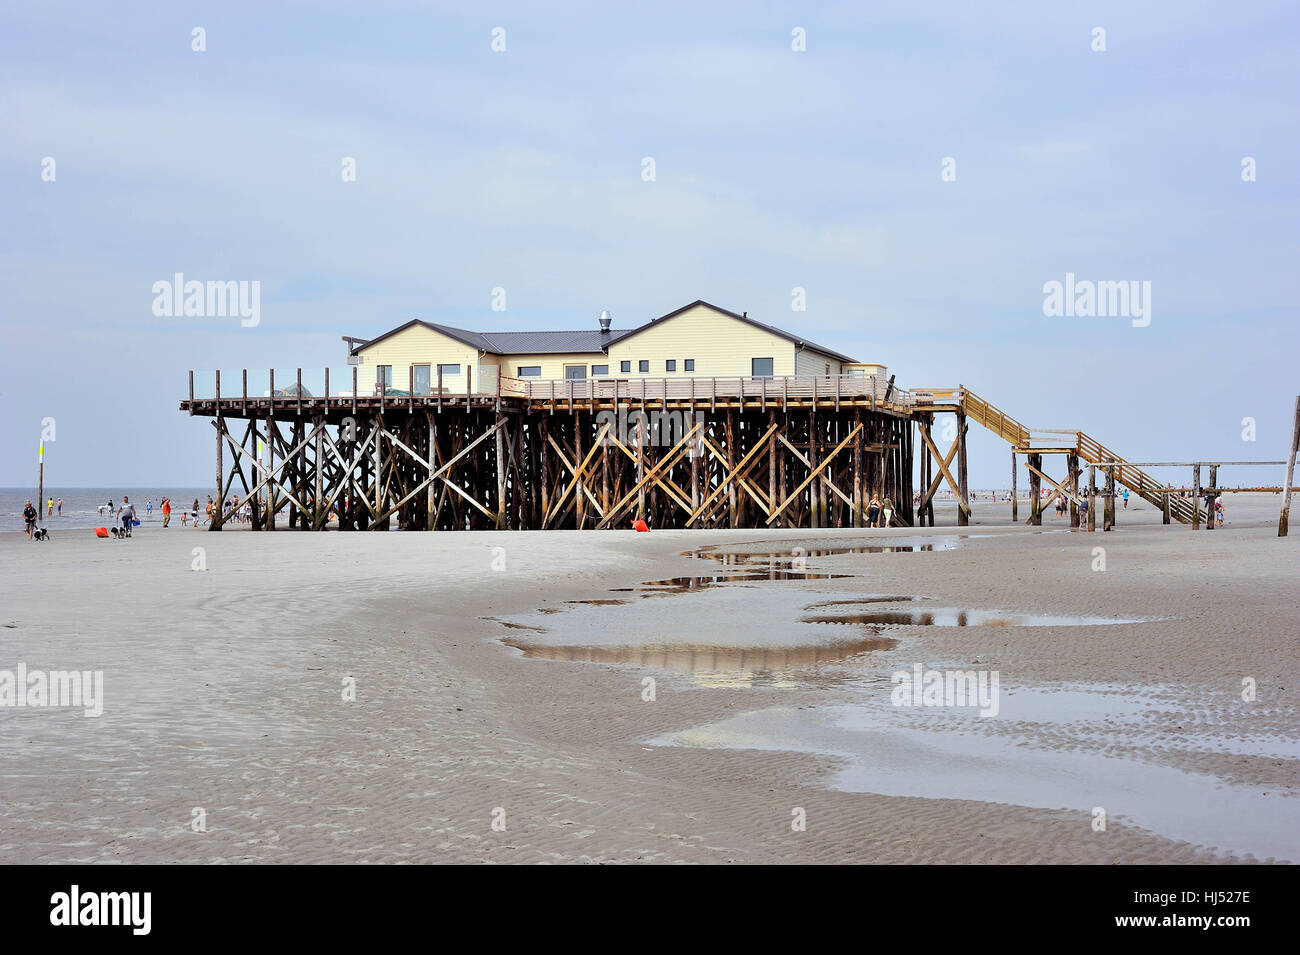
{"x": 311, "y": 385}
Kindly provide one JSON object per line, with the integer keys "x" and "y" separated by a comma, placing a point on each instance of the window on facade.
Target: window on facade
{"x": 828, "y": 369}
{"x": 421, "y": 382}
{"x": 599, "y": 370}
{"x": 530, "y": 371}
{"x": 670, "y": 364}
{"x": 575, "y": 372}
{"x": 643, "y": 366}
{"x": 384, "y": 376}
{"x": 690, "y": 364}
{"x": 625, "y": 366}
{"x": 449, "y": 371}
{"x": 761, "y": 367}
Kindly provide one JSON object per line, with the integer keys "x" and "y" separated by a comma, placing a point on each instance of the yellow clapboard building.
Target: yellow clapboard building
{"x": 699, "y": 340}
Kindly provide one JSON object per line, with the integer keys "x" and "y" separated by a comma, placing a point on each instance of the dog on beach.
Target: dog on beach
{"x": 41, "y": 534}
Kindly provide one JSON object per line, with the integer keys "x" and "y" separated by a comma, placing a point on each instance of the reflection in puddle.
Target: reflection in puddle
{"x": 672, "y": 585}
{"x": 741, "y": 566}
{"x": 722, "y": 666}
{"x": 961, "y": 618}
{"x": 867, "y": 599}
{"x": 795, "y": 554}
{"x": 609, "y": 602}
{"x": 944, "y": 753}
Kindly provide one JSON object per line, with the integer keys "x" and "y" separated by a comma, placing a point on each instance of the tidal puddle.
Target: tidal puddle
{"x": 673, "y": 585}
{"x": 795, "y": 554}
{"x": 870, "y": 599}
{"x": 741, "y": 566}
{"x": 947, "y": 753}
{"x": 962, "y": 618}
{"x": 725, "y": 666}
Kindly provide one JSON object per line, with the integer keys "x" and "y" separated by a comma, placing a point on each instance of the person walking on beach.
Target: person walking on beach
{"x": 148, "y": 508}
{"x": 1126, "y": 499}
{"x": 886, "y": 513}
{"x": 211, "y": 508}
{"x": 60, "y": 507}
{"x": 29, "y": 518}
{"x": 167, "y": 511}
{"x": 127, "y": 514}
{"x": 194, "y": 512}
{"x": 873, "y": 511}
{"x": 50, "y": 511}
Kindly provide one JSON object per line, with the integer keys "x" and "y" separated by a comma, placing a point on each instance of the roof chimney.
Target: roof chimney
{"x": 605, "y": 320}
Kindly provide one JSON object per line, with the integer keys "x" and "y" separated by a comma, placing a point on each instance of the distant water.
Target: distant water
{"x": 80, "y": 505}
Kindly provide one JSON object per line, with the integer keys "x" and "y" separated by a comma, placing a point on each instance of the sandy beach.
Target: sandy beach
{"x": 482, "y": 692}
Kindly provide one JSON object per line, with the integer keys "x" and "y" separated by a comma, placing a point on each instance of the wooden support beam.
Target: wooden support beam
{"x": 1072, "y": 465}
{"x": 1284, "y": 519}
{"x": 1196, "y": 497}
{"x": 1034, "y": 462}
{"x": 963, "y": 513}
{"x": 1110, "y": 499}
{"x": 1015, "y": 502}
{"x": 814, "y": 475}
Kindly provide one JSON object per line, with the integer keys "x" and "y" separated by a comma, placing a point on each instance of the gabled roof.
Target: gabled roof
{"x": 813, "y": 346}
{"x": 586, "y": 341}
{"x": 510, "y": 343}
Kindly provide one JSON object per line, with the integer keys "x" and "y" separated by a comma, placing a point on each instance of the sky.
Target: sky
{"x": 920, "y": 170}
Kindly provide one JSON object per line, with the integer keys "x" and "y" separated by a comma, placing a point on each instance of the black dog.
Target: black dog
{"x": 41, "y": 534}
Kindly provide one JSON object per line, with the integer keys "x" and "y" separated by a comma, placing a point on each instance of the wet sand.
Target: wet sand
{"x": 481, "y": 688}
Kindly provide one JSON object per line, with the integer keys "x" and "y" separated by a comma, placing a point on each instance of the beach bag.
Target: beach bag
{"x": 135, "y": 523}
{"x": 101, "y": 531}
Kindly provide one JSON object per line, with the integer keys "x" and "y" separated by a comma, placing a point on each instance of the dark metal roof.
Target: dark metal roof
{"x": 509, "y": 343}
{"x": 540, "y": 343}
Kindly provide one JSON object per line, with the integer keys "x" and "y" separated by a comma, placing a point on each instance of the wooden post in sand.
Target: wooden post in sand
{"x": 1209, "y": 510}
{"x": 1035, "y": 465}
{"x": 1092, "y": 497}
{"x": 1072, "y": 460}
{"x": 1109, "y": 522}
{"x": 1015, "y": 504}
{"x": 963, "y": 484}
{"x": 1196, "y": 497}
{"x": 1285, "y": 518}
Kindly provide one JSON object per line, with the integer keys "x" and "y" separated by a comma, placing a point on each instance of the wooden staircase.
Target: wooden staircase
{"x": 1089, "y": 450}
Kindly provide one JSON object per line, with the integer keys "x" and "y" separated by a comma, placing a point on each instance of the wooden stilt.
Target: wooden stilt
{"x": 1035, "y": 462}
{"x": 1284, "y": 519}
